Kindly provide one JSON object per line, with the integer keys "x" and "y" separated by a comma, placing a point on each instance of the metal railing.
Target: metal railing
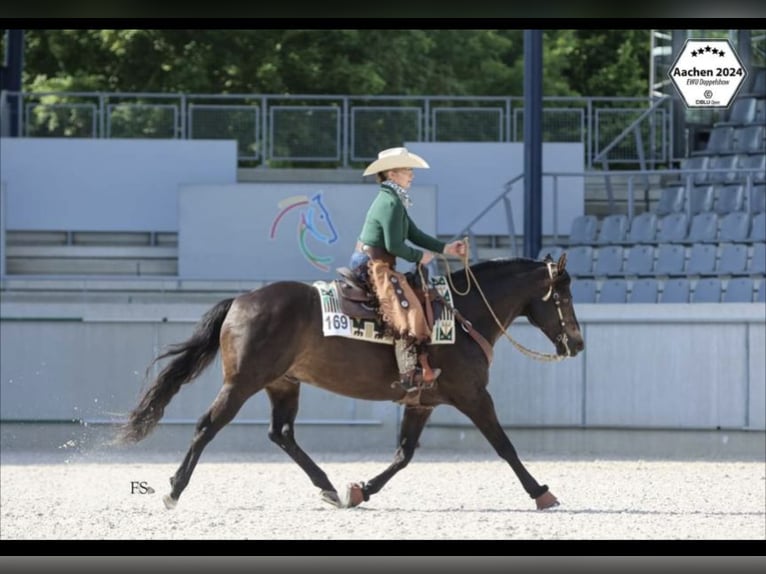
{"x": 345, "y": 131}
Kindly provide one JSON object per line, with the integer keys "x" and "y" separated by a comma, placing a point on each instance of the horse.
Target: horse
{"x": 271, "y": 339}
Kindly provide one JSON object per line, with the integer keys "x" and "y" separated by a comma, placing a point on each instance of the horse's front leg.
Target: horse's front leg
{"x": 284, "y": 396}
{"x": 413, "y": 421}
{"x": 481, "y": 411}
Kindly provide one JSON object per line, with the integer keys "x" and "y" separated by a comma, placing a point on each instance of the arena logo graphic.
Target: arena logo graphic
{"x": 314, "y": 220}
{"x": 707, "y": 73}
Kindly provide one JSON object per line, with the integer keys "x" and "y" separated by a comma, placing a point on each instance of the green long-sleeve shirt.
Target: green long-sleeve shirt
{"x": 388, "y": 225}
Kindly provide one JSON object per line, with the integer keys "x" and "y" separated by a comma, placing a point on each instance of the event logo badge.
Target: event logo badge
{"x": 313, "y": 221}
{"x": 707, "y": 73}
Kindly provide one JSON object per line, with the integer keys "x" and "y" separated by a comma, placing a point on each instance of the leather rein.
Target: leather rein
{"x": 482, "y": 341}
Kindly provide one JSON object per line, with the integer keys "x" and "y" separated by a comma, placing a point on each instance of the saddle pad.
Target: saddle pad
{"x": 335, "y": 323}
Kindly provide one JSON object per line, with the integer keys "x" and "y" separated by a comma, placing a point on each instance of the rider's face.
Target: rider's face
{"x": 402, "y": 176}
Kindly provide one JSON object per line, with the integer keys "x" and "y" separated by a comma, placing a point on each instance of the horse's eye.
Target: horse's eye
{"x": 555, "y": 296}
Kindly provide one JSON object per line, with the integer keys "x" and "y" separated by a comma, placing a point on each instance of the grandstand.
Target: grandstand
{"x": 703, "y": 240}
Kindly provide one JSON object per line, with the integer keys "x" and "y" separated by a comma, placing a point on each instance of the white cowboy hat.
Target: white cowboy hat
{"x": 393, "y": 158}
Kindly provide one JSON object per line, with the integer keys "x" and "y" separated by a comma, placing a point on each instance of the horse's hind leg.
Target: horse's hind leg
{"x": 413, "y": 422}
{"x": 482, "y": 413}
{"x": 284, "y": 396}
{"x": 224, "y": 408}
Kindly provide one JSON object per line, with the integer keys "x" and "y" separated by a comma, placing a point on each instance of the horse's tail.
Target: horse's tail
{"x": 192, "y": 357}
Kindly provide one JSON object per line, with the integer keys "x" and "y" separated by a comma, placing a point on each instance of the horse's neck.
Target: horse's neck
{"x": 507, "y": 293}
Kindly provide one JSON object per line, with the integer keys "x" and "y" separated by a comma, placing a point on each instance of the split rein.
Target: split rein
{"x": 471, "y": 278}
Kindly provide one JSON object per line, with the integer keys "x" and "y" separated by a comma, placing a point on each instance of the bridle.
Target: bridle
{"x": 552, "y": 293}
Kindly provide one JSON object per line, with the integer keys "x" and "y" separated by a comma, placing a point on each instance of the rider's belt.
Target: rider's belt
{"x": 376, "y": 253}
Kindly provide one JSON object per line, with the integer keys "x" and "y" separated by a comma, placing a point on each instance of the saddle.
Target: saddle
{"x": 359, "y": 301}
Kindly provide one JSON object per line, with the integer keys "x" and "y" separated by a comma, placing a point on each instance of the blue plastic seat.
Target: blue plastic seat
{"x": 671, "y": 259}
{"x": 758, "y": 260}
{"x": 643, "y": 229}
{"x": 734, "y": 226}
{"x": 750, "y": 139}
{"x": 675, "y": 291}
{"x": 733, "y": 259}
{"x": 758, "y": 228}
{"x": 702, "y": 259}
{"x": 729, "y": 197}
{"x": 701, "y": 198}
{"x": 671, "y": 199}
{"x": 609, "y": 261}
{"x": 757, "y": 201}
{"x": 583, "y": 231}
{"x": 613, "y": 229}
{"x": 640, "y": 260}
{"x": 673, "y": 228}
{"x": 703, "y": 228}
{"x": 580, "y": 260}
{"x": 583, "y": 290}
{"x": 644, "y": 291}
{"x": 707, "y": 290}
{"x": 739, "y": 290}
{"x": 613, "y": 291}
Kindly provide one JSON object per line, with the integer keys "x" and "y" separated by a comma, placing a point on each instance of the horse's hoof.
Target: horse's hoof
{"x": 546, "y": 500}
{"x": 170, "y": 502}
{"x": 354, "y": 495}
{"x": 331, "y": 497}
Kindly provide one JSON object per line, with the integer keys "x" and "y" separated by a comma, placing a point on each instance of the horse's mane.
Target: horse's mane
{"x": 515, "y": 265}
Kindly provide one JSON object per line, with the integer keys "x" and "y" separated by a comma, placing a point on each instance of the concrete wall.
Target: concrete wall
{"x": 73, "y": 184}
{"x": 645, "y": 366}
{"x": 259, "y": 231}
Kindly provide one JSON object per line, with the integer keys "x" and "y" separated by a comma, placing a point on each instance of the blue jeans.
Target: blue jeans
{"x": 358, "y": 265}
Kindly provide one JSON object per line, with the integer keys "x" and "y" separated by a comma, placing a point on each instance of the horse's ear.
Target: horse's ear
{"x": 547, "y": 258}
{"x": 562, "y": 262}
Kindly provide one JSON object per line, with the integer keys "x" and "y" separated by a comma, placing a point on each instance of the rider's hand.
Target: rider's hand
{"x": 456, "y": 248}
{"x": 427, "y": 257}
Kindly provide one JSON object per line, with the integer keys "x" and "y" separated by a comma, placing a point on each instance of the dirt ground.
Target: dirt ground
{"x": 439, "y": 496}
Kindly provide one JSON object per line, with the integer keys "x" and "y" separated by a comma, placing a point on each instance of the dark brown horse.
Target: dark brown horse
{"x": 272, "y": 339}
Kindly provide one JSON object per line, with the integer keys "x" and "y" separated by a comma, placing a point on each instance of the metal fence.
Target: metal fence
{"x": 343, "y": 131}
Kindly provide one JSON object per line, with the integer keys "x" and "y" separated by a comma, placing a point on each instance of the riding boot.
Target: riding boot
{"x": 414, "y": 369}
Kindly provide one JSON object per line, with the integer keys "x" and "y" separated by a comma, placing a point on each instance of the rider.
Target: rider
{"x": 382, "y": 239}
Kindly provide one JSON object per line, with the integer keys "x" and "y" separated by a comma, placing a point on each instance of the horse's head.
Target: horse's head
{"x": 553, "y": 313}
{"x": 317, "y": 214}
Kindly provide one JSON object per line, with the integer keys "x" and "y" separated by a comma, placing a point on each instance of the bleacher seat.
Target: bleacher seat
{"x": 694, "y": 170}
{"x": 729, "y": 197}
{"x": 723, "y": 168}
{"x": 671, "y": 200}
{"x": 707, "y": 290}
{"x": 701, "y": 198}
{"x": 640, "y": 260}
{"x": 752, "y": 161}
{"x": 644, "y": 291}
{"x": 761, "y": 296}
{"x": 757, "y": 265}
{"x": 734, "y": 226}
{"x": 757, "y": 201}
{"x": 749, "y": 139}
{"x": 613, "y": 291}
{"x": 758, "y": 228}
{"x": 643, "y": 229}
{"x": 720, "y": 142}
{"x": 583, "y": 290}
{"x": 583, "y": 231}
{"x": 675, "y": 291}
{"x": 580, "y": 260}
{"x": 673, "y": 227}
{"x": 733, "y": 259}
{"x": 703, "y": 228}
{"x": 742, "y": 112}
{"x": 609, "y": 261}
{"x": 739, "y": 290}
{"x": 671, "y": 259}
{"x": 757, "y": 87}
{"x": 702, "y": 259}
{"x": 614, "y": 228}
